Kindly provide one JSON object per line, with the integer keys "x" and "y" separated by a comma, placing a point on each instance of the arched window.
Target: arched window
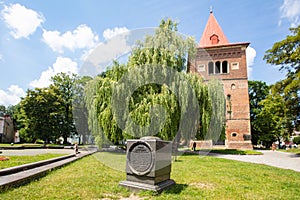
{"x": 214, "y": 39}
{"x": 225, "y": 67}
{"x": 228, "y": 97}
{"x": 218, "y": 67}
{"x": 210, "y": 68}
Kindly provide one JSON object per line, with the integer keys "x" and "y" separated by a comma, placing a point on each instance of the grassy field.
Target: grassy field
{"x": 294, "y": 150}
{"x": 196, "y": 177}
{"x": 20, "y": 160}
{"x": 21, "y": 145}
{"x": 234, "y": 151}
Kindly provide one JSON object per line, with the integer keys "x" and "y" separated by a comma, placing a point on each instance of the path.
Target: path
{"x": 275, "y": 159}
{"x": 21, "y": 177}
{"x": 33, "y": 152}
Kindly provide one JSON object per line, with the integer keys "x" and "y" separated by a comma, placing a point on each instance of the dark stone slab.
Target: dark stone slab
{"x": 136, "y": 186}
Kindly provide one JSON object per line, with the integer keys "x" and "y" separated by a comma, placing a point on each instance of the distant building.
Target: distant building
{"x": 216, "y": 58}
{"x": 7, "y": 132}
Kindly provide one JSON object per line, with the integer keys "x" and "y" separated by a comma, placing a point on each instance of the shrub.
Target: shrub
{"x": 296, "y": 140}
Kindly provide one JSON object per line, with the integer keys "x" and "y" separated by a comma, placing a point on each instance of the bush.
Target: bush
{"x": 296, "y": 140}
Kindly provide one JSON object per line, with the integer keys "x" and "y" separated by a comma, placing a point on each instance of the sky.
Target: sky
{"x": 39, "y": 39}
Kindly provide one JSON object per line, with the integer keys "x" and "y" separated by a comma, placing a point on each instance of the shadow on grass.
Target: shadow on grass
{"x": 176, "y": 189}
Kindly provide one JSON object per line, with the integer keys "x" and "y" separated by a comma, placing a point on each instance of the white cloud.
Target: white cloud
{"x": 82, "y": 37}
{"x": 65, "y": 65}
{"x": 109, "y": 33}
{"x": 12, "y": 96}
{"x": 250, "y": 55}
{"x": 21, "y": 20}
{"x": 290, "y": 10}
{"x": 1, "y": 57}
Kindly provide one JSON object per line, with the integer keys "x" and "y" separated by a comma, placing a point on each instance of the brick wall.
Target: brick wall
{"x": 235, "y": 84}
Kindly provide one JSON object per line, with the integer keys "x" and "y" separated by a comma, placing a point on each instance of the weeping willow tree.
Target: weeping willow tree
{"x": 151, "y": 94}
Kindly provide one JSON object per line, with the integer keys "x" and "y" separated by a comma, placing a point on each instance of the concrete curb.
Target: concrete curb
{"x": 23, "y": 177}
{"x": 11, "y": 170}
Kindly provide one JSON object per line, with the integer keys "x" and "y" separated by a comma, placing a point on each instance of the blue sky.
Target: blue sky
{"x": 41, "y": 38}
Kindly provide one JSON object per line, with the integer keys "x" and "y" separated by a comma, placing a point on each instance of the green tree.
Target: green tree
{"x": 286, "y": 54}
{"x": 2, "y": 108}
{"x": 271, "y": 121}
{"x": 165, "y": 49}
{"x": 258, "y": 91}
{"x": 40, "y": 112}
{"x": 80, "y": 112}
{"x": 65, "y": 85}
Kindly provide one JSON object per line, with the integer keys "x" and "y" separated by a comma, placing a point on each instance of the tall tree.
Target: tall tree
{"x": 40, "y": 111}
{"x": 164, "y": 51}
{"x": 65, "y": 85}
{"x": 80, "y": 112}
{"x": 271, "y": 121}
{"x": 286, "y": 54}
{"x": 258, "y": 91}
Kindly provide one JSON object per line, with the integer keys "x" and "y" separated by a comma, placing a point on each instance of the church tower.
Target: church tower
{"x": 217, "y": 58}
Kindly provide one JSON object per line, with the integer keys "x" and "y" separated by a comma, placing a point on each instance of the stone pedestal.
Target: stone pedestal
{"x": 148, "y": 164}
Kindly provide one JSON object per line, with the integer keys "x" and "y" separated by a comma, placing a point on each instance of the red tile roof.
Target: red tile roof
{"x": 212, "y": 34}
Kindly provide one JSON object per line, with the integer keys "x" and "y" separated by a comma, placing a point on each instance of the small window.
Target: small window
{"x": 233, "y": 86}
{"x": 201, "y": 68}
{"x": 225, "y": 67}
{"x": 234, "y": 134}
{"x": 235, "y": 65}
{"x": 210, "y": 68}
{"x": 218, "y": 67}
{"x": 214, "y": 39}
{"x": 228, "y": 97}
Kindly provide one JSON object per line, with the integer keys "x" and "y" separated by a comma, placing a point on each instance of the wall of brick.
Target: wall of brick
{"x": 235, "y": 84}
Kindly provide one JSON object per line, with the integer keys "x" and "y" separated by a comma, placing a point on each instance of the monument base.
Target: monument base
{"x": 135, "y": 186}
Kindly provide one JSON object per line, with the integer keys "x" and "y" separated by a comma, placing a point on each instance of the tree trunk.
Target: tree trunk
{"x": 65, "y": 140}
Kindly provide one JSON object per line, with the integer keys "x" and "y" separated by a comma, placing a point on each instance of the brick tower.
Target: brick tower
{"x": 217, "y": 58}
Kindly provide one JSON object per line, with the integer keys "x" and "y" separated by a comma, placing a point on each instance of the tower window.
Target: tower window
{"x": 228, "y": 97}
{"x": 210, "y": 68}
{"x": 214, "y": 39}
{"x": 218, "y": 67}
{"x": 225, "y": 67}
{"x": 233, "y": 86}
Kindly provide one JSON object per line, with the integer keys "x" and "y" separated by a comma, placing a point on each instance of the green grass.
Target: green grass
{"x": 20, "y": 160}
{"x": 294, "y": 150}
{"x": 21, "y": 145}
{"x": 196, "y": 177}
{"x": 233, "y": 151}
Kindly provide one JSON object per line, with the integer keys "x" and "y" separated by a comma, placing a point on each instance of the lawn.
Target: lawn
{"x": 196, "y": 177}
{"x": 233, "y": 151}
{"x": 21, "y": 145}
{"x": 293, "y": 150}
{"x": 20, "y": 160}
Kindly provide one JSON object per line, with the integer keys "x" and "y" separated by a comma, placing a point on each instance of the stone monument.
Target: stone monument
{"x": 148, "y": 164}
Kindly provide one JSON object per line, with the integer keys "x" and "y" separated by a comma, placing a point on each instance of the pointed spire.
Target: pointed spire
{"x": 212, "y": 34}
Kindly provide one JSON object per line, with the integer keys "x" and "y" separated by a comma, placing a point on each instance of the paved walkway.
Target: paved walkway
{"x": 275, "y": 159}
{"x": 33, "y": 152}
{"x": 19, "y": 178}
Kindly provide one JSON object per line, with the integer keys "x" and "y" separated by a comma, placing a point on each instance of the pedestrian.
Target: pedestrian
{"x": 194, "y": 146}
{"x": 273, "y": 146}
{"x": 76, "y": 148}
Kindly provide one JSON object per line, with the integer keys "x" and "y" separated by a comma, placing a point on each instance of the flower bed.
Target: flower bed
{"x": 2, "y": 158}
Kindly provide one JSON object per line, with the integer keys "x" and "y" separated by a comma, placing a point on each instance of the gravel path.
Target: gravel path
{"x": 275, "y": 159}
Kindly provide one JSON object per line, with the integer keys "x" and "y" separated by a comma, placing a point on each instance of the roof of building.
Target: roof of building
{"x": 212, "y": 34}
